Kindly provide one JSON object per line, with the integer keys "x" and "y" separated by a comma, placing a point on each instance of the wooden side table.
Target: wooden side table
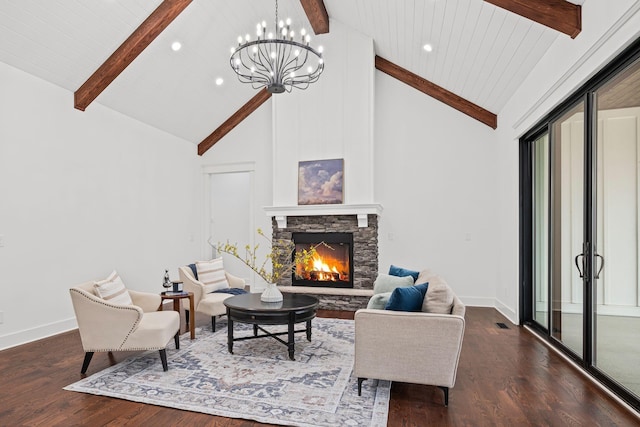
{"x": 191, "y": 322}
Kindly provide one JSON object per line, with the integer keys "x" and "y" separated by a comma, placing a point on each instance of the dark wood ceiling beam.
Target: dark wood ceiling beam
{"x": 437, "y": 92}
{"x": 557, "y": 14}
{"x": 317, "y": 14}
{"x": 128, "y": 51}
{"x": 233, "y": 121}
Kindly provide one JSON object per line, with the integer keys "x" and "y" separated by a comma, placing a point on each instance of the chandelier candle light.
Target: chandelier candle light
{"x": 275, "y": 60}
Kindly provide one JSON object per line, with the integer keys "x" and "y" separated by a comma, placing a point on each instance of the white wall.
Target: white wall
{"x": 81, "y": 194}
{"x": 332, "y": 119}
{"x": 431, "y": 171}
{"x": 430, "y": 166}
{"x": 247, "y": 146}
{"x": 607, "y": 28}
{"x": 434, "y": 176}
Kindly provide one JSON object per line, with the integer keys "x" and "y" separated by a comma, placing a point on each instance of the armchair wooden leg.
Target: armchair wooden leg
{"x": 186, "y": 312}
{"x": 360, "y": 380}
{"x": 163, "y": 358}
{"x": 446, "y": 395}
{"x": 176, "y": 339}
{"x": 213, "y": 323}
{"x": 87, "y": 359}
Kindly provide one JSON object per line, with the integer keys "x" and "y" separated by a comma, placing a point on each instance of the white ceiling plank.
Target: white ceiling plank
{"x": 502, "y": 66}
{"x": 493, "y": 40}
{"x": 474, "y": 49}
{"x": 447, "y": 38}
{"x": 391, "y": 13}
{"x": 479, "y": 53}
{"x": 419, "y": 55}
{"x": 437, "y": 20}
{"x": 461, "y": 38}
{"x": 495, "y": 58}
{"x": 529, "y": 57}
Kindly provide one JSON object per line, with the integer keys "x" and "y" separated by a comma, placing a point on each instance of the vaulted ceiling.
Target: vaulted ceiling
{"x": 480, "y": 52}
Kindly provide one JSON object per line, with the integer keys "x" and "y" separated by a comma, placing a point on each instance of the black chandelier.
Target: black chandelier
{"x": 277, "y": 61}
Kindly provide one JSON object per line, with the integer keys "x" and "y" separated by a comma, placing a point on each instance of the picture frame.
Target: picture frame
{"x": 321, "y": 182}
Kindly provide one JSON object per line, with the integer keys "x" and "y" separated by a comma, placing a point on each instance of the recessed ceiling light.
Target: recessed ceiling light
{"x": 176, "y": 46}
{"x": 427, "y": 47}
{"x": 219, "y": 81}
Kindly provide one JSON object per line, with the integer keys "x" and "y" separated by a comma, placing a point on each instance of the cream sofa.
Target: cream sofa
{"x": 105, "y": 326}
{"x": 211, "y": 304}
{"x": 412, "y": 347}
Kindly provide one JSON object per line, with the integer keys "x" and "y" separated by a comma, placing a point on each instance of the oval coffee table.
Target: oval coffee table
{"x": 248, "y": 308}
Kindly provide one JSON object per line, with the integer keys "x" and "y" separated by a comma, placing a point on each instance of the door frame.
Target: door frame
{"x": 207, "y": 171}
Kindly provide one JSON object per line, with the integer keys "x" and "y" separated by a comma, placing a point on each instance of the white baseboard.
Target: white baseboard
{"x": 478, "y": 301}
{"x": 47, "y": 330}
{"x": 506, "y": 311}
{"x": 39, "y": 332}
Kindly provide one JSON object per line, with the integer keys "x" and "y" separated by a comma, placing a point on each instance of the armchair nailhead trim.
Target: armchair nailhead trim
{"x": 119, "y": 307}
{"x": 102, "y": 350}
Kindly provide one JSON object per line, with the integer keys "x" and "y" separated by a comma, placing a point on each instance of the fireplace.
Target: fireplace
{"x": 332, "y": 266}
{"x": 364, "y": 251}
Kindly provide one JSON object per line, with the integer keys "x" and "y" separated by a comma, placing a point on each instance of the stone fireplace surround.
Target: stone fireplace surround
{"x": 364, "y": 227}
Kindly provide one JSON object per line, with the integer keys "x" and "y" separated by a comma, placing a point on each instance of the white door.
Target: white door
{"x": 231, "y": 216}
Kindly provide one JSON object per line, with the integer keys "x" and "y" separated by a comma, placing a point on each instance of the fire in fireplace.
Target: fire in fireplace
{"x": 333, "y": 264}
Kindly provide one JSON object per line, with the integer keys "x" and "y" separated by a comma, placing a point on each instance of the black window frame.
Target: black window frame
{"x": 586, "y": 93}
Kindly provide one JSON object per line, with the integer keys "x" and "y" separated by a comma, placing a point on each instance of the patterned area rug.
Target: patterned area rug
{"x": 257, "y": 382}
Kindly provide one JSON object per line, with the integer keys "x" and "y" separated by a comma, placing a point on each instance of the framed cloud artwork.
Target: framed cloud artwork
{"x": 320, "y": 182}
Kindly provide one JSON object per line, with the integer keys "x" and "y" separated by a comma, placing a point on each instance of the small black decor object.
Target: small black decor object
{"x": 177, "y": 286}
{"x": 167, "y": 282}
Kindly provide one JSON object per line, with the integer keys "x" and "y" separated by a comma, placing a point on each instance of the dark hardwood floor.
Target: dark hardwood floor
{"x": 506, "y": 377}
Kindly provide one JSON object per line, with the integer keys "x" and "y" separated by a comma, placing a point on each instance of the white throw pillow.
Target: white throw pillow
{"x": 113, "y": 290}
{"x": 387, "y": 283}
{"x": 439, "y": 297}
{"x": 379, "y": 301}
{"x": 211, "y": 274}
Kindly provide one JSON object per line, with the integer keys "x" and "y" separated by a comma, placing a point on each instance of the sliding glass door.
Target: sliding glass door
{"x": 566, "y": 243}
{"x": 541, "y": 230}
{"x": 580, "y": 216}
{"x": 617, "y": 296}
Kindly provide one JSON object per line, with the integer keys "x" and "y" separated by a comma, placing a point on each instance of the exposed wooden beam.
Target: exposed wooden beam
{"x": 233, "y": 121}
{"x": 557, "y": 14}
{"x": 437, "y": 92}
{"x": 317, "y": 14}
{"x": 128, "y": 51}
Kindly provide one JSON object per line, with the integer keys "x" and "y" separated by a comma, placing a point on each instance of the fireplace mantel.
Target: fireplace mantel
{"x": 280, "y": 213}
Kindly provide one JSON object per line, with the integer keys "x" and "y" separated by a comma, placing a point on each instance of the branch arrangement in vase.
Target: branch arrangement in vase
{"x": 282, "y": 255}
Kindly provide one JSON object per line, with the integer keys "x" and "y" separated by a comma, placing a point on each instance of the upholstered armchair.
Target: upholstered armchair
{"x": 108, "y": 326}
{"x": 209, "y": 303}
{"x": 413, "y": 347}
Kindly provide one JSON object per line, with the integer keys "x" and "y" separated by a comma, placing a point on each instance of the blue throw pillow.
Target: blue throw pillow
{"x": 232, "y": 291}
{"x": 407, "y": 299}
{"x": 402, "y": 272}
{"x": 194, "y": 271}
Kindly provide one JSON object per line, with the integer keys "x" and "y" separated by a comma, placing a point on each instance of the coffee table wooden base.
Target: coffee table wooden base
{"x": 293, "y": 310}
